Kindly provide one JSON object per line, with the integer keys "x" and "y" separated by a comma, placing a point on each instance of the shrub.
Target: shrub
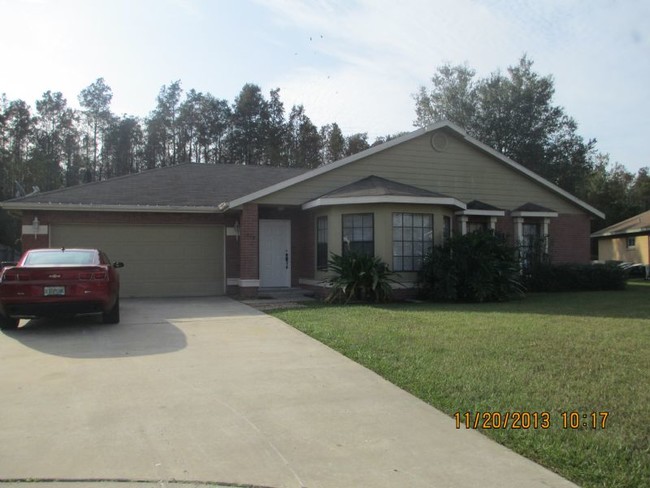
{"x": 575, "y": 277}
{"x": 476, "y": 267}
{"x": 359, "y": 276}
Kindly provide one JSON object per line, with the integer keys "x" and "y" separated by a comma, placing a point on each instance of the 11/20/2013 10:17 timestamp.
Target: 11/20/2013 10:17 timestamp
{"x": 530, "y": 420}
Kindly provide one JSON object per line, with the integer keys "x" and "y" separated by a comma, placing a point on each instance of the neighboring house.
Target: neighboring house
{"x": 213, "y": 229}
{"x": 627, "y": 241}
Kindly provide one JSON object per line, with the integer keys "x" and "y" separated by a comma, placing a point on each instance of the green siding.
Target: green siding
{"x": 461, "y": 171}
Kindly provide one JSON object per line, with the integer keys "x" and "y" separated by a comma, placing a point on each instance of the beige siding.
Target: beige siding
{"x": 615, "y": 249}
{"x": 460, "y": 171}
{"x": 160, "y": 260}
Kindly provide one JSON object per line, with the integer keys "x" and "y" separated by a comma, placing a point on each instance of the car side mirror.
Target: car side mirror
{"x": 118, "y": 264}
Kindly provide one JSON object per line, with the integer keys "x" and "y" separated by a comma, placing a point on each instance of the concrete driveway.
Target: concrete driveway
{"x": 211, "y": 390}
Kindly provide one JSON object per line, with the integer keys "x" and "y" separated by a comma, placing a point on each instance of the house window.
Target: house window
{"x": 412, "y": 238}
{"x": 321, "y": 243}
{"x": 477, "y": 226}
{"x": 359, "y": 234}
{"x": 631, "y": 242}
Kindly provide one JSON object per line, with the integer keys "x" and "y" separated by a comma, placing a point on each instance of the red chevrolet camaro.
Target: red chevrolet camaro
{"x": 55, "y": 282}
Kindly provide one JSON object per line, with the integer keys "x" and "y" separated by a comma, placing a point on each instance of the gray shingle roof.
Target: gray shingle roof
{"x": 637, "y": 224}
{"x": 377, "y": 186}
{"x": 186, "y": 185}
{"x": 479, "y": 205}
{"x": 532, "y": 207}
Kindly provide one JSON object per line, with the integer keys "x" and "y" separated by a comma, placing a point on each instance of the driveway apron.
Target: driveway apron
{"x": 212, "y": 391}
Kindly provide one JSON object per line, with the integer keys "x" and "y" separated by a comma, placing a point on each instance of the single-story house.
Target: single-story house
{"x": 199, "y": 229}
{"x": 626, "y": 241}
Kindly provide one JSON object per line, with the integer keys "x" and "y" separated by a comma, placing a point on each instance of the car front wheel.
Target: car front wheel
{"x": 113, "y": 315}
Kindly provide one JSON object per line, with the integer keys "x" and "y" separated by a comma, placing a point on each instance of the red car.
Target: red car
{"x": 54, "y": 282}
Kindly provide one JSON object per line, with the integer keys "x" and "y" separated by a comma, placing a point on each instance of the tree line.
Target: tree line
{"x": 55, "y": 146}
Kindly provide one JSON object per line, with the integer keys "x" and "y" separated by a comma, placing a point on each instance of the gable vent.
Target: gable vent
{"x": 439, "y": 142}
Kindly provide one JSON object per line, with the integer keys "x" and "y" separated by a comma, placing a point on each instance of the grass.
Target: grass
{"x": 582, "y": 352}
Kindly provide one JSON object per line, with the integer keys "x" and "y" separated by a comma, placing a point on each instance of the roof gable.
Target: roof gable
{"x": 634, "y": 225}
{"x": 532, "y": 207}
{"x": 377, "y": 186}
{"x": 437, "y": 146}
{"x": 478, "y": 205}
{"x": 374, "y": 189}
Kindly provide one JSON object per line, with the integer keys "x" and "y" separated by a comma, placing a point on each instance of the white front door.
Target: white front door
{"x": 275, "y": 253}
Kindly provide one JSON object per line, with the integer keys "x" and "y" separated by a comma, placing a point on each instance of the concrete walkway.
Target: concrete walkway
{"x": 213, "y": 391}
{"x": 274, "y": 298}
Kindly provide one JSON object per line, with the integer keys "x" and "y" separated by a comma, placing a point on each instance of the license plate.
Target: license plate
{"x": 54, "y": 291}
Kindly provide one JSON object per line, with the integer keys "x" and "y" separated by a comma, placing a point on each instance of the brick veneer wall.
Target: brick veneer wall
{"x": 30, "y": 242}
{"x": 232, "y": 257}
{"x": 143, "y": 218}
{"x": 53, "y": 217}
{"x": 248, "y": 243}
{"x": 570, "y": 242}
{"x": 305, "y": 242}
{"x": 506, "y": 227}
{"x": 569, "y": 237}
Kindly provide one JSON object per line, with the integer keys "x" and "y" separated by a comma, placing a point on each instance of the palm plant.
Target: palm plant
{"x": 359, "y": 276}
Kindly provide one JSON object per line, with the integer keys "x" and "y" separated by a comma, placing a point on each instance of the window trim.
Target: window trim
{"x": 447, "y": 229}
{"x": 414, "y": 267}
{"x": 344, "y": 248}
{"x": 630, "y": 242}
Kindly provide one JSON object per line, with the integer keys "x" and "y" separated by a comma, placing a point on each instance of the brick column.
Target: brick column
{"x": 38, "y": 242}
{"x": 519, "y": 230}
{"x": 249, "y": 277}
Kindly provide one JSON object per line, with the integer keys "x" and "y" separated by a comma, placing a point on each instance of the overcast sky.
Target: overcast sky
{"x": 356, "y": 63}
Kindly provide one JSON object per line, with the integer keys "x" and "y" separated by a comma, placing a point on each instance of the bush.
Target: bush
{"x": 359, "y": 276}
{"x": 476, "y": 267}
{"x": 575, "y": 277}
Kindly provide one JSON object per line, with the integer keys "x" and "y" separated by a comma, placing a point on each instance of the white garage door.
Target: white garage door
{"x": 160, "y": 260}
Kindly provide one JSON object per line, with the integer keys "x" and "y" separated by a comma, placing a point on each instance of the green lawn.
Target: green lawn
{"x": 569, "y": 352}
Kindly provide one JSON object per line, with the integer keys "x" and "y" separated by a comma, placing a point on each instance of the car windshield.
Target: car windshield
{"x": 52, "y": 258}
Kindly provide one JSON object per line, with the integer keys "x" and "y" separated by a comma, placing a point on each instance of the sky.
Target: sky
{"x": 353, "y": 62}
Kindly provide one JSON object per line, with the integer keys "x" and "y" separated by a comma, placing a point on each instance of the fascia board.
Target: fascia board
{"x": 534, "y": 214}
{"x": 75, "y": 207}
{"x": 614, "y": 233}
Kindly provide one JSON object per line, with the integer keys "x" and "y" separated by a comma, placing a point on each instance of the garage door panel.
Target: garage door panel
{"x": 160, "y": 260}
